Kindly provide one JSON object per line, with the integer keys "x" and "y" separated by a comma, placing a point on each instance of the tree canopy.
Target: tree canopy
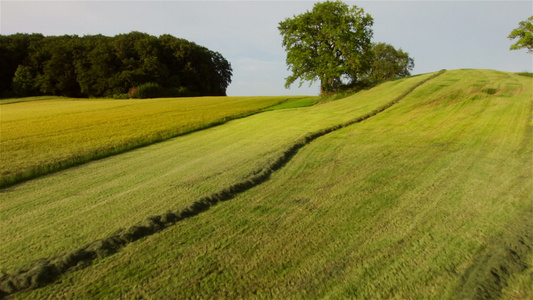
{"x": 387, "y": 63}
{"x": 524, "y": 33}
{"x": 331, "y": 43}
{"x": 101, "y": 66}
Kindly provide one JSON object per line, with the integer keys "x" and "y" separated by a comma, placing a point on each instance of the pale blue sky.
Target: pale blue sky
{"x": 437, "y": 34}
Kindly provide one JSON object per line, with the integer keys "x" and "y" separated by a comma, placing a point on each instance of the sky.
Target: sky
{"x": 437, "y": 34}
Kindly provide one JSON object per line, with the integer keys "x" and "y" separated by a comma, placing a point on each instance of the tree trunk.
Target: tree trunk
{"x": 325, "y": 87}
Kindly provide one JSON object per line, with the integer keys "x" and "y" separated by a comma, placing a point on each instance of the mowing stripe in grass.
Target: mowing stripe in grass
{"x": 504, "y": 256}
{"x": 35, "y": 143}
{"x": 44, "y": 271}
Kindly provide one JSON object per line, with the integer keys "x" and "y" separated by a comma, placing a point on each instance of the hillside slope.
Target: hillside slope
{"x": 430, "y": 198}
{"x": 61, "y": 212}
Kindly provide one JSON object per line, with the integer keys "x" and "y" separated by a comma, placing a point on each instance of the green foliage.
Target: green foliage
{"x": 24, "y": 82}
{"x": 13, "y": 50}
{"x": 148, "y": 90}
{"x": 331, "y": 43}
{"x": 100, "y": 66}
{"x": 389, "y": 63}
{"x": 524, "y": 33}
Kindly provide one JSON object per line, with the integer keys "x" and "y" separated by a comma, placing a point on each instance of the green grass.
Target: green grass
{"x": 422, "y": 200}
{"x": 302, "y": 102}
{"x": 28, "y": 99}
{"x": 94, "y": 200}
{"x": 519, "y": 285}
{"x": 39, "y": 137}
{"x": 528, "y": 74}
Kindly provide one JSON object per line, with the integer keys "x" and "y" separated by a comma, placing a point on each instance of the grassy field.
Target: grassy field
{"x": 427, "y": 199}
{"x": 40, "y": 135}
{"x": 93, "y": 200}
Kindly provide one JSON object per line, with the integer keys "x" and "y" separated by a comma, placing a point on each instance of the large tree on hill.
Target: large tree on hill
{"x": 331, "y": 43}
{"x": 525, "y": 34}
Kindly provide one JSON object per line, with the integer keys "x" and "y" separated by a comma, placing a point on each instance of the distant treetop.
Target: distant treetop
{"x": 524, "y": 33}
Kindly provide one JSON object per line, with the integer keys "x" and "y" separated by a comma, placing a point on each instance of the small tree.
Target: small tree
{"x": 149, "y": 90}
{"x": 389, "y": 63}
{"x": 24, "y": 82}
{"x": 331, "y": 43}
{"x": 525, "y": 34}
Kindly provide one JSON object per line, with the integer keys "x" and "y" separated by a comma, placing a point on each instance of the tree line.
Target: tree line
{"x": 124, "y": 66}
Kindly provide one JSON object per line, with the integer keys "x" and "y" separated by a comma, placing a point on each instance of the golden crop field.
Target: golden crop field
{"x": 37, "y": 137}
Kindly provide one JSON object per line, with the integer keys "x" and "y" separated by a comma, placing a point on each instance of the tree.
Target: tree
{"x": 331, "y": 43}
{"x": 221, "y": 72}
{"x": 525, "y": 34}
{"x": 389, "y": 63}
{"x": 13, "y": 50}
{"x": 24, "y": 82}
{"x": 97, "y": 67}
{"x": 58, "y": 72}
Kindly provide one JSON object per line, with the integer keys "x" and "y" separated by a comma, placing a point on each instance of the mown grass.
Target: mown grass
{"x": 519, "y": 285}
{"x": 47, "y": 270}
{"x": 302, "y": 102}
{"x": 39, "y": 137}
{"x": 28, "y": 99}
{"x": 58, "y": 213}
{"x": 402, "y": 205}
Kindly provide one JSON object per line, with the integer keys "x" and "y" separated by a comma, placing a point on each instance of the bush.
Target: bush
{"x": 154, "y": 90}
{"x": 149, "y": 90}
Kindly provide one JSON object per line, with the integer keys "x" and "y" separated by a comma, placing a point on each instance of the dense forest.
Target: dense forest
{"x": 133, "y": 65}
